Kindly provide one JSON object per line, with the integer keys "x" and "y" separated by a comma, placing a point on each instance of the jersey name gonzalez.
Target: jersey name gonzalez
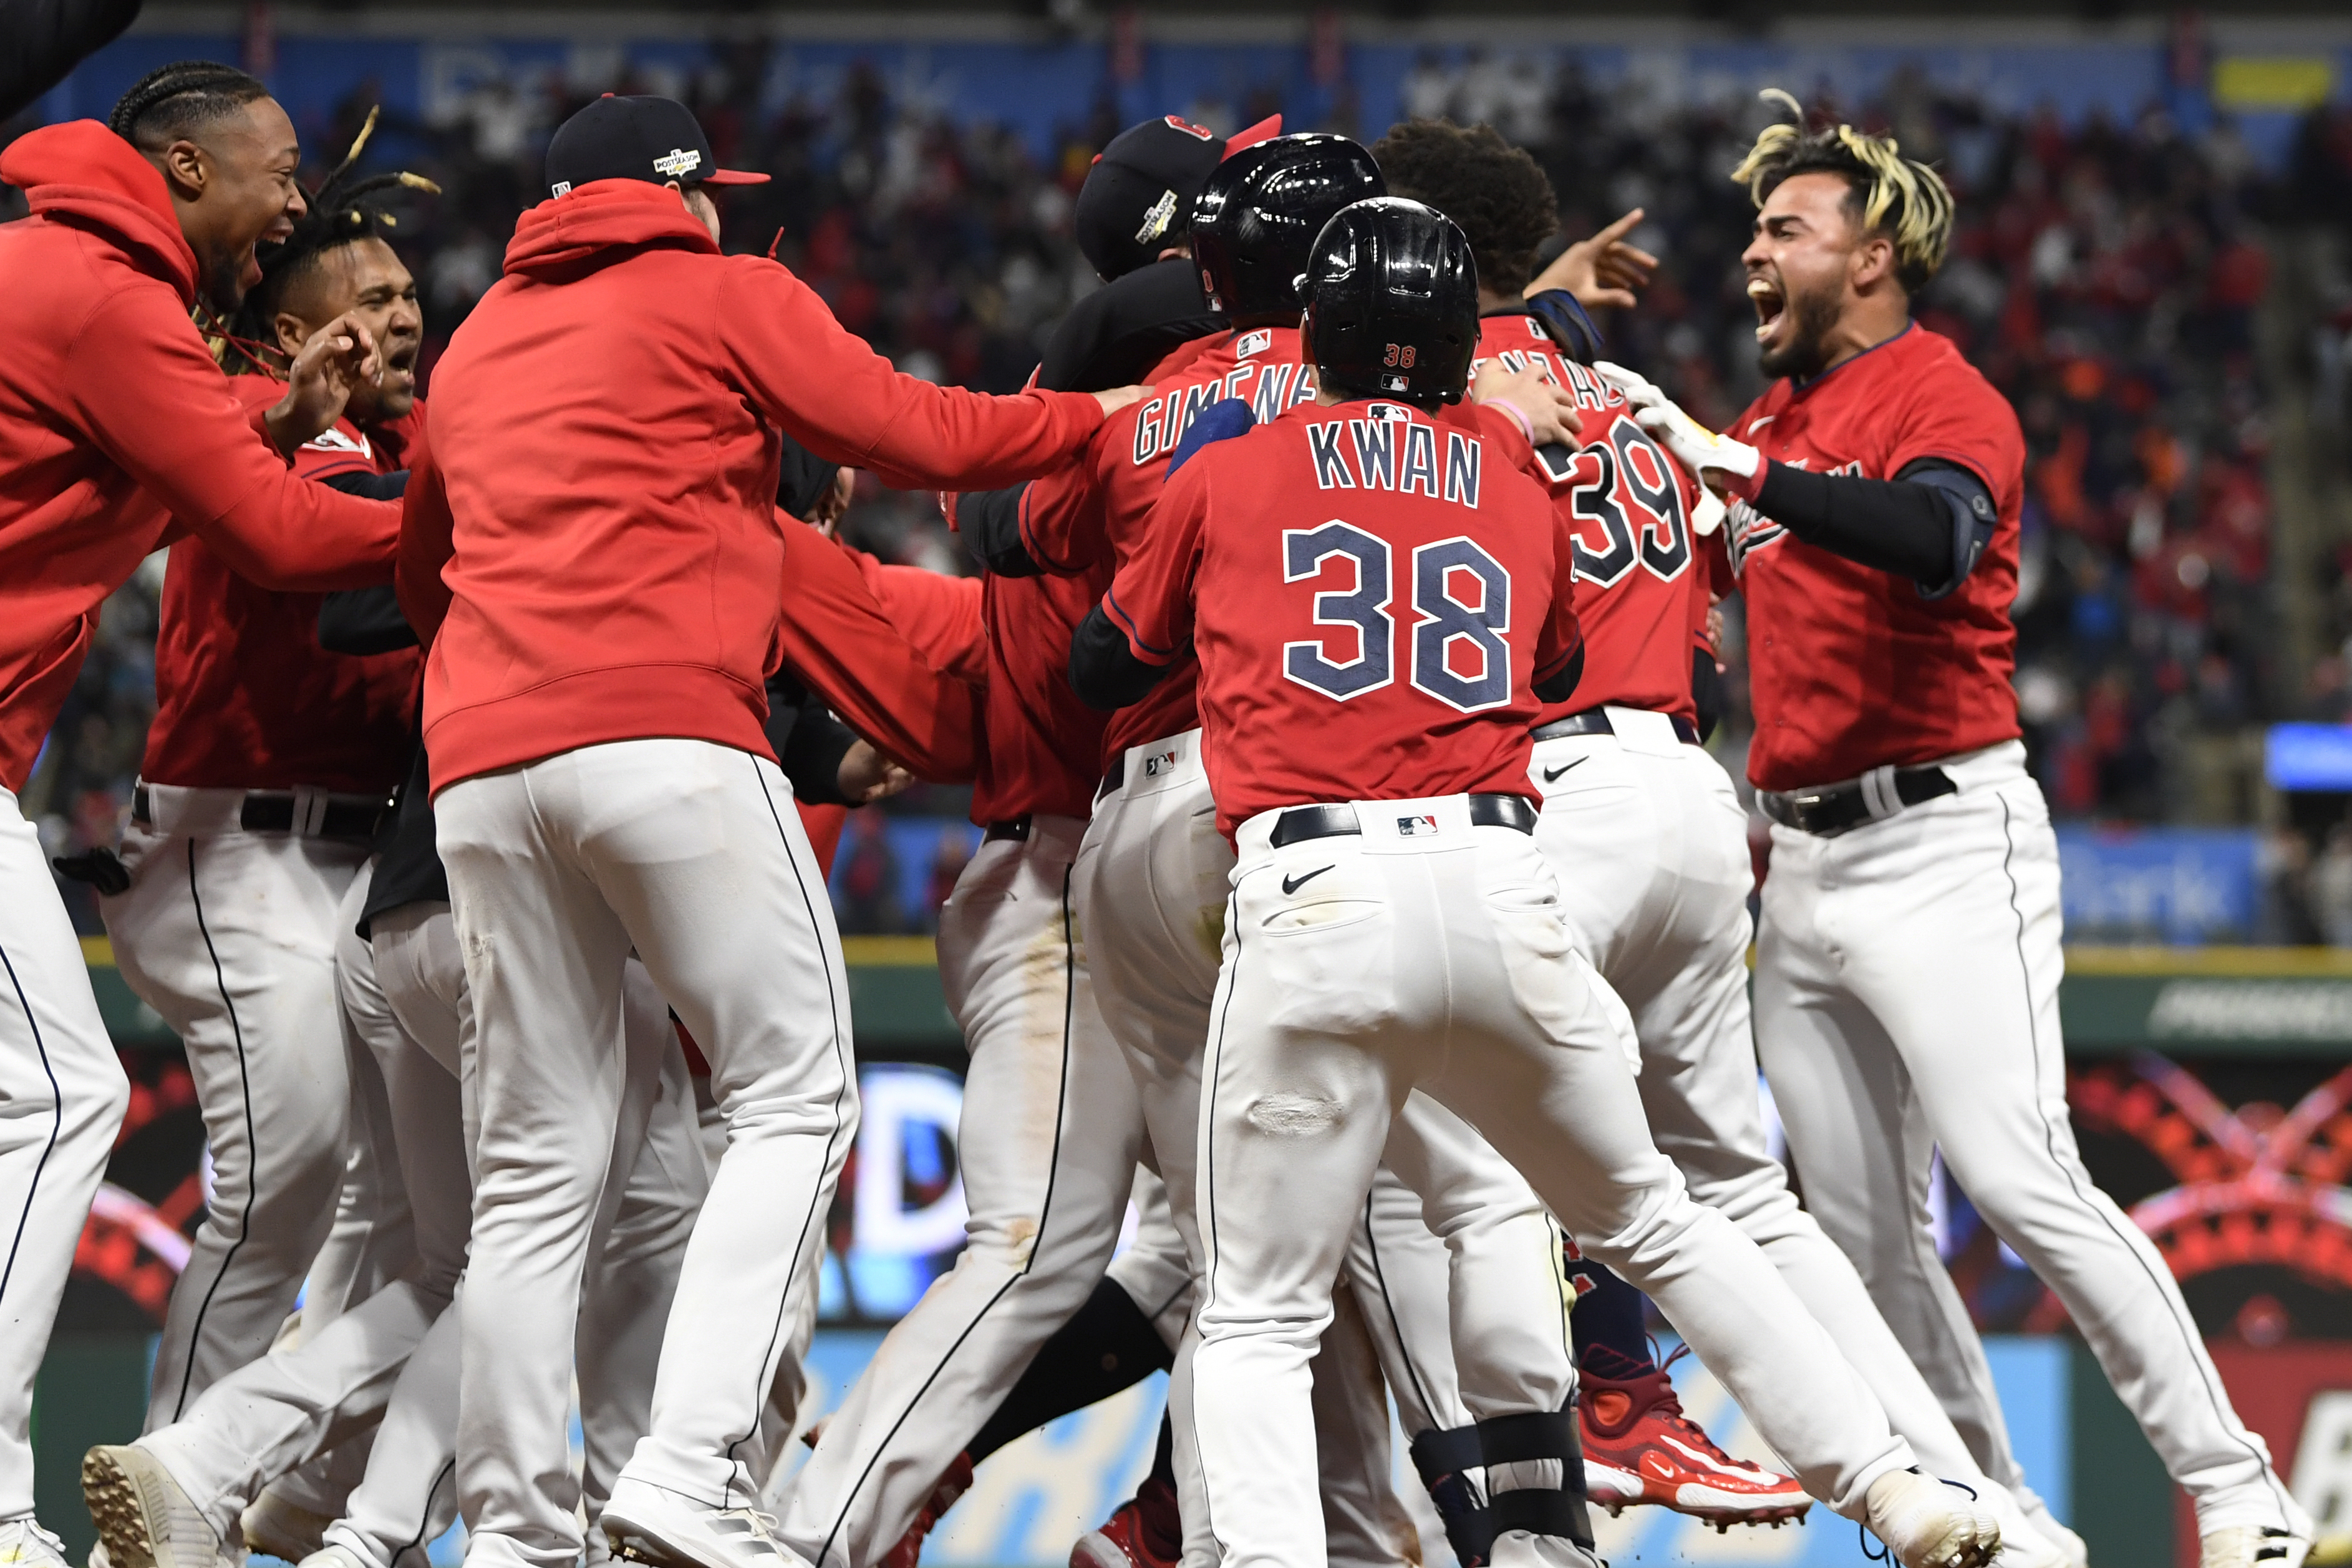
{"x": 1388, "y": 450}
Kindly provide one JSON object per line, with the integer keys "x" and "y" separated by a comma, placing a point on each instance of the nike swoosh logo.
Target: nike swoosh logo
{"x": 1551, "y": 775}
{"x": 1292, "y": 884}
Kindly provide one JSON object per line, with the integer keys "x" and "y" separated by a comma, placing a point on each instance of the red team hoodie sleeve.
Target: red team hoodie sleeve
{"x": 1150, "y": 599}
{"x": 837, "y": 636}
{"x": 427, "y": 540}
{"x": 140, "y": 385}
{"x": 848, "y": 405}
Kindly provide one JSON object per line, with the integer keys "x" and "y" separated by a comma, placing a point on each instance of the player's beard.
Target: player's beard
{"x": 1812, "y": 318}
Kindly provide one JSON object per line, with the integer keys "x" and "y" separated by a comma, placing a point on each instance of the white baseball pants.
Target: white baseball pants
{"x": 410, "y": 978}
{"x": 230, "y": 936}
{"x": 1440, "y": 959}
{"x": 1907, "y": 998}
{"x": 1649, "y": 842}
{"x": 692, "y": 853}
{"x": 1047, "y": 1146}
{"x": 62, "y": 1096}
{"x": 1485, "y": 1338}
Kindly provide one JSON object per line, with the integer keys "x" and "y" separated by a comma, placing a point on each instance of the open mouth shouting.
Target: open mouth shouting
{"x": 400, "y": 365}
{"x": 1772, "y": 308}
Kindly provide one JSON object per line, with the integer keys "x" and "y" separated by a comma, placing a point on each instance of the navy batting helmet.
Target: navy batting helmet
{"x": 1259, "y": 212}
{"x": 1393, "y": 303}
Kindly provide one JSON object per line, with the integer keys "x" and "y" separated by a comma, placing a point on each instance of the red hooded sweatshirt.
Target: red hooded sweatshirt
{"x": 117, "y": 430}
{"x": 600, "y": 479}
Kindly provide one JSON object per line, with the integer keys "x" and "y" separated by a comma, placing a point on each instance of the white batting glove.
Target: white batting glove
{"x": 1719, "y": 460}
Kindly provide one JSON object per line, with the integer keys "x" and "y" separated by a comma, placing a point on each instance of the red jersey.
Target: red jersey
{"x": 1092, "y": 512}
{"x": 1041, "y": 748}
{"x": 1640, "y": 590}
{"x": 1370, "y": 593}
{"x": 245, "y": 697}
{"x": 1850, "y": 668}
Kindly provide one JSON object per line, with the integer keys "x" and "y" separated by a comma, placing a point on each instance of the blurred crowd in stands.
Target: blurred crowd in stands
{"x": 2105, "y": 276}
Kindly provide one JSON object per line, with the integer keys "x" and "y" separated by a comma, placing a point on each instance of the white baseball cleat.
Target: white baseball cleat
{"x": 283, "y": 1530}
{"x": 2071, "y": 1546}
{"x": 24, "y": 1544}
{"x": 1926, "y": 1524}
{"x": 2253, "y": 1546}
{"x": 2023, "y": 1544}
{"x": 144, "y": 1519}
{"x": 651, "y": 1525}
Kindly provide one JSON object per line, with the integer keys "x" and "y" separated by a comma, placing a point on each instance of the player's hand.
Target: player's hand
{"x": 866, "y": 775}
{"x": 1715, "y": 636}
{"x": 1549, "y": 408}
{"x": 1605, "y": 270}
{"x": 1118, "y": 397}
{"x": 339, "y": 356}
{"x": 831, "y": 506}
{"x": 1719, "y": 460}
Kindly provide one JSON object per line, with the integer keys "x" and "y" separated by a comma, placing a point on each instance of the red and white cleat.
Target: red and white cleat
{"x": 1144, "y": 1531}
{"x": 1639, "y": 1447}
{"x": 953, "y": 1485}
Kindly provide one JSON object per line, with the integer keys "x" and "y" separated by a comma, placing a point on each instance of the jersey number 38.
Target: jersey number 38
{"x": 1461, "y": 599}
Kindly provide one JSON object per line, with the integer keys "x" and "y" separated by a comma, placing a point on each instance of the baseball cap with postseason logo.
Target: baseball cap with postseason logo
{"x": 656, "y": 140}
{"x": 1138, "y": 199}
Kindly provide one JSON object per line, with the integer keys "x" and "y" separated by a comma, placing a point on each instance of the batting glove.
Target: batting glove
{"x": 1719, "y": 460}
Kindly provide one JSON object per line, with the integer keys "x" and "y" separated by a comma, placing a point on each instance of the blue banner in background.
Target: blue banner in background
{"x": 1044, "y": 88}
{"x": 2178, "y": 885}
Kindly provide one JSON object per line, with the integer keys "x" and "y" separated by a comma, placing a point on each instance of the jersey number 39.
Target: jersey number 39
{"x": 1461, "y": 600}
{"x": 1630, "y": 491}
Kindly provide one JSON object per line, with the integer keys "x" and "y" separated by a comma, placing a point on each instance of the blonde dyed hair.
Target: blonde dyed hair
{"x": 1900, "y": 197}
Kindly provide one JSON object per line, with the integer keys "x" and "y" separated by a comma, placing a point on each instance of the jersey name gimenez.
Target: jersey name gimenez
{"x": 1093, "y": 512}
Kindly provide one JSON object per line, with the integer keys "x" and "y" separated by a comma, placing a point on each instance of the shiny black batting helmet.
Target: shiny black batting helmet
{"x": 1393, "y": 303}
{"x": 1259, "y": 212}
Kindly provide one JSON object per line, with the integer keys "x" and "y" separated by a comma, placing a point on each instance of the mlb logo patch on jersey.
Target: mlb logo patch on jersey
{"x": 1255, "y": 342}
{"x": 1159, "y": 762}
{"x": 1416, "y": 826}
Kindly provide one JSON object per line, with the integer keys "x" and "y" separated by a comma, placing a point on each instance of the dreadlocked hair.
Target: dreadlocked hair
{"x": 343, "y": 211}
{"x": 1887, "y": 194}
{"x": 177, "y": 100}
{"x": 1499, "y": 195}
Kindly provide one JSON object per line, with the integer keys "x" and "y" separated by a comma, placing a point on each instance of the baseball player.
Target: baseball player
{"x": 1908, "y": 956}
{"x": 1365, "y": 687}
{"x": 117, "y": 433}
{"x": 1052, "y": 1130}
{"x": 268, "y": 766}
{"x": 1651, "y": 851}
{"x": 601, "y": 783}
{"x": 1253, "y": 225}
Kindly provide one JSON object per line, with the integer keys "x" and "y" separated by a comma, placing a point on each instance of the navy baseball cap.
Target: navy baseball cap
{"x": 656, "y": 140}
{"x": 1137, "y": 197}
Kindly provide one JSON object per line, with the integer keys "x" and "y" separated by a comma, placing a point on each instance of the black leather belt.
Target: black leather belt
{"x": 1113, "y": 776}
{"x": 1301, "y": 823}
{"x": 1013, "y": 827}
{"x": 1595, "y": 721}
{"x": 1833, "y": 808}
{"x": 272, "y": 811}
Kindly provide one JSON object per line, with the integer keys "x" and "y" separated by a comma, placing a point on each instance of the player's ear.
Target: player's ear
{"x": 1874, "y": 261}
{"x": 291, "y": 334}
